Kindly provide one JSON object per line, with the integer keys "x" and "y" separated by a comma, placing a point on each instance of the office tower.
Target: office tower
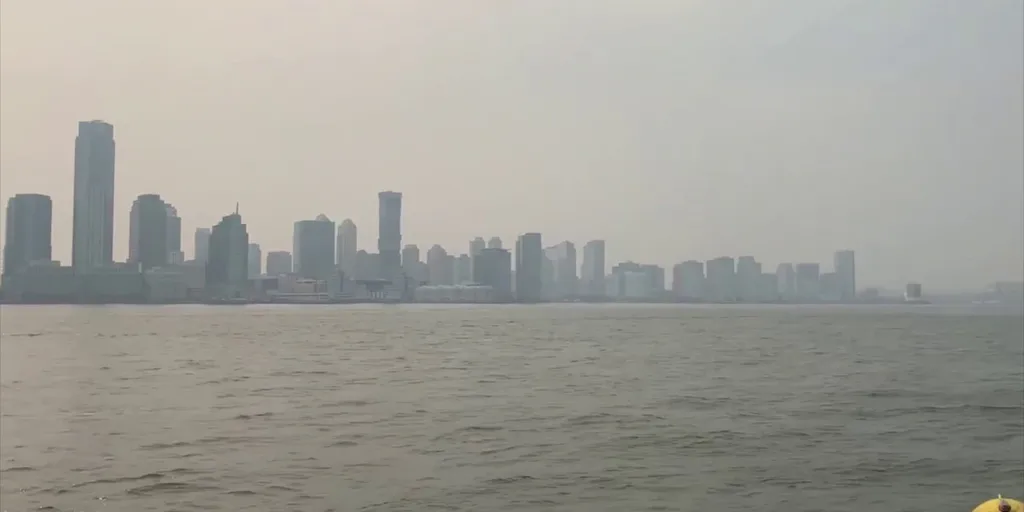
{"x": 92, "y": 236}
{"x": 148, "y": 227}
{"x": 748, "y": 278}
{"x": 688, "y": 280}
{"x": 846, "y": 275}
{"x": 255, "y": 261}
{"x": 494, "y": 243}
{"x": 440, "y": 266}
{"x": 631, "y": 280}
{"x": 786, "y": 280}
{"x": 313, "y": 248}
{"x": 389, "y": 235}
{"x": 28, "y": 231}
{"x": 828, "y": 286}
{"x": 807, "y": 277}
{"x": 227, "y": 272}
{"x": 529, "y": 267}
{"x": 769, "y": 289}
{"x": 410, "y": 256}
{"x": 278, "y": 263}
{"x": 463, "y": 269}
{"x": 175, "y": 256}
{"x": 592, "y": 278}
{"x": 493, "y": 267}
{"x": 563, "y": 268}
{"x": 347, "y": 247}
{"x": 721, "y": 280}
{"x": 202, "y": 245}
{"x": 367, "y": 266}
{"x": 476, "y": 245}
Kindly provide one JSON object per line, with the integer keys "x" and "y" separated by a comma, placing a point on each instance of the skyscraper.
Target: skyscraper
{"x": 202, "y": 245}
{"x": 494, "y": 243}
{"x": 254, "y": 261}
{"x": 720, "y": 285}
{"x": 476, "y": 245}
{"x": 148, "y": 236}
{"x": 688, "y": 280}
{"x": 493, "y": 267}
{"x": 592, "y": 272}
{"x": 389, "y": 237}
{"x": 227, "y": 272}
{"x": 529, "y": 267}
{"x": 92, "y": 238}
{"x": 313, "y": 248}
{"x": 348, "y": 239}
{"x": 279, "y": 262}
{"x": 563, "y": 268}
{"x": 175, "y": 256}
{"x": 28, "y": 231}
{"x": 440, "y": 266}
{"x": 846, "y": 275}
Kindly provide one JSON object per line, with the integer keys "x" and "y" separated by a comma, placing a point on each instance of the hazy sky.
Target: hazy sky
{"x": 674, "y": 129}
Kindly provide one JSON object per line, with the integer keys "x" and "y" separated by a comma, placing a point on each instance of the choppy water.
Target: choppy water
{"x": 556, "y": 408}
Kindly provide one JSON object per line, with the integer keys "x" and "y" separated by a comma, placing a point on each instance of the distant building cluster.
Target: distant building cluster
{"x": 325, "y": 263}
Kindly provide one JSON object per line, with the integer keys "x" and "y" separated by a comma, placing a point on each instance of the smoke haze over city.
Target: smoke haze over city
{"x": 673, "y": 130}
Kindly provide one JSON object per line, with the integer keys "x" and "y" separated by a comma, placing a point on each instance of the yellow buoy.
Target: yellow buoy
{"x": 1000, "y": 504}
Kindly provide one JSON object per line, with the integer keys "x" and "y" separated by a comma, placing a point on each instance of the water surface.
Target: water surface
{"x": 531, "y": 408}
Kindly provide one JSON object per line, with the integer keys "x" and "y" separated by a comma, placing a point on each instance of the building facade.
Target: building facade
{"x": 389, "y": 236}
{"x": 529, "y": 267}
{"x": 28, "y": 232}
{"x": 92, "y": 238}
{"x": 278, "y": 263}
{"x": 313, "y": 243}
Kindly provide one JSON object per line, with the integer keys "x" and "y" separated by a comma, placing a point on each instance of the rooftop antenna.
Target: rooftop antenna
{"x": 236, "y": 207}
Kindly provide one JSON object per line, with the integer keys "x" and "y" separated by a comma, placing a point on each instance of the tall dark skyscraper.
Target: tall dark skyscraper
{"x": 150, "y": 229}
{"x": 92, "y": 239}
{"x": 529, "y": 267}
{"x": 389, "y": 237}
{"x": 313, "y": 248}
{"x": 227, "y": 270}
{"x": 28, "y": 231}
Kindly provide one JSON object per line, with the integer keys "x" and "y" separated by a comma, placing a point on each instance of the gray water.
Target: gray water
{"x": 546, "y": 408}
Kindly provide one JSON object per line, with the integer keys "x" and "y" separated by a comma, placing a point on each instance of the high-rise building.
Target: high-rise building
{"x": 440, "y": 266}
{"x": 748, "y": 278}
{"x": 807, "y": 277}
{"x": 148, "y": 232}
{"x": 174, "y": 254}
{"x": 389, "y": 235}
{"x": 255, "y": 261}
{"x": 414, "y": 269}
{"x": 313, "y": 248}
{"x": 688, "y": 280}
{"x": 846, "y": 275}
{"x": 347, "y": 247}
{"x": 720, "y": 285}
{"x": 529, "y": 267}
{"x": 28, "y": 232}
{"x": 564, "y": 282}
{"x": 463, "y": 269}
{"x": 493, "y": 267}
{"x": 278, "y": 263}
{"x": 592, "y": 280}
{"x": 494, "y": 243}
{"x": 786, "y": 279}
{"x": 476, "y": 245}
{"x": 202, "y": 245}
{"x": 92, "y": 238}
{"x": 227, "y": 272}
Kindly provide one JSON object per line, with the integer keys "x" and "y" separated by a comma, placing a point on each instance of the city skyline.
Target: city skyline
{"x": 807, "y": 129}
